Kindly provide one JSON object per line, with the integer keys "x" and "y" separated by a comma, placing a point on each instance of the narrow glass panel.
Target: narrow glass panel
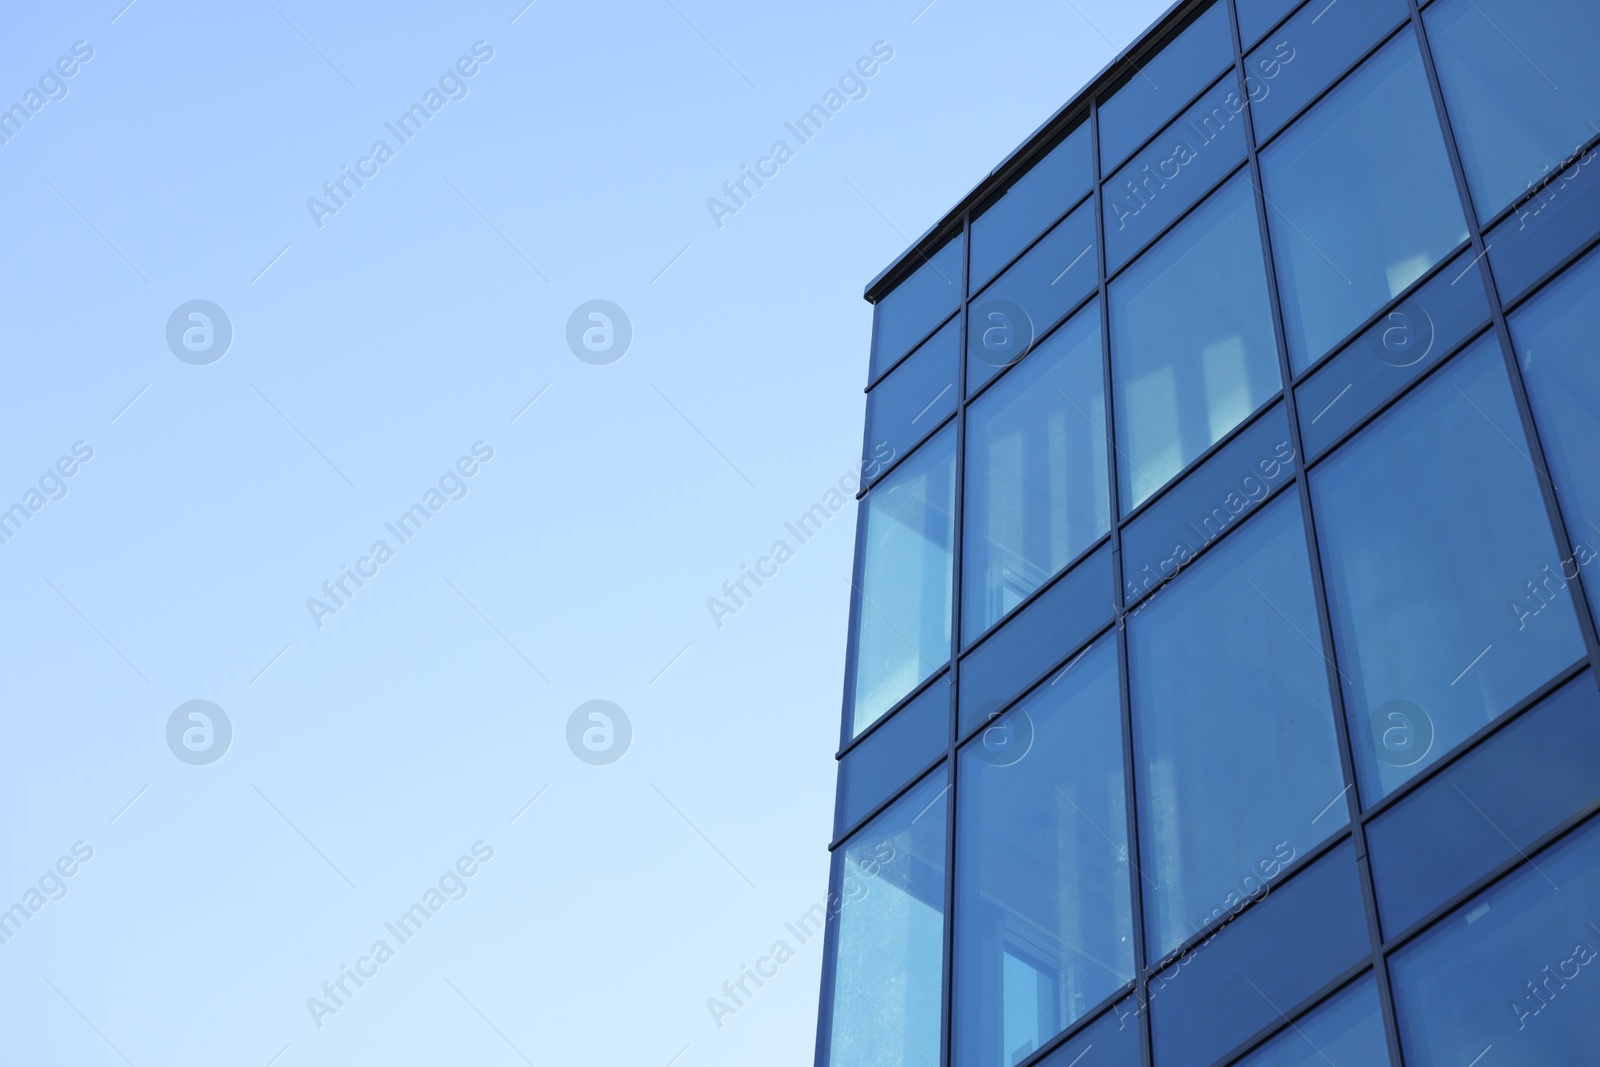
{"x": 1256, "y": 17}
{"x": 919, "y": 303}
{"x": 1031, "y": 296}
{"x": 1036, "y": 638}
{"x": 1306, "y": 54}
{"x": 1044, "y": 917}
{"x": 893, "y": 754}
{"x": 913, "y": 400}
{"x": 1111, "y": 1041}
{"x": 1034, "y": 201}
{"x": 1399, "y": 348}
{"x": 1522, "y": 88}
{"x": 1514, "y": 968}
{"x": 1037, "y": 487}
{"x": 1555, "y": 335}
{"x": 1433, "y": 530}
{"x": 1176, "y": 169}
{"x": 1347, "y": 1031}
{"x": 1163, "y": 83}
{"x": 1495, "y": 802}
{"x": 1362, "y": 200}
{"x": 1233, "y": 724}
{"x": 1552, "y": 224}
{"x": 1249, "y": 973}
{"x": 904, "y": 603}
{"x": 888, "y": 985}
{"x": 1192, "y": 349}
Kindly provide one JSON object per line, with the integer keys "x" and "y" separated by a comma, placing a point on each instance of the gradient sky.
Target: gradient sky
{"x": 369, "y": 353}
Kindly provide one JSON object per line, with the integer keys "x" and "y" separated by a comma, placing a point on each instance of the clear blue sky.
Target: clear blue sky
{"x": 369, "y": 353}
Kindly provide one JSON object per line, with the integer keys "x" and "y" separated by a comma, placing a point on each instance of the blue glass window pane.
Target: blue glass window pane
{"x": 1163, "y": 83}
{"x": 1044, "y": 919}
{"x": 1036, "y": 638}
{"x": 1495, "y": 802}
{"x": 1256, "y": 17}
{"x": 1306, "y": 54}
{"x": 1431, "y": 524}
{"x": 1179, "y": 166}
{"x": 1031, "y": 296}
{"x": 1522, "y": 88}
{"x": 893, "y": 754}
{"x": 1398, "y": 349}
{"x": 1110, "y": 1041}
{"x": 1554, "y": 334}
{"x": 1512, "y": 968}
{"x": 1233, "y": 724}
{"x": 911, "y": 310}
{"x": 1251, "y": 972}
{"x": 904, "y": 603}
{"x": 1035, "y": 200}
{"x": 1192, "y": 348}
{"x": 1347, "y": 1031}
{"x": 1551, "y": 225}
{"x": 1038, "y": 490}
{"x": 888, "y": 988}
{"x": 1207, "y": 503}
{"x": 1361, "y": 200}
{"x": 913, "y": 400}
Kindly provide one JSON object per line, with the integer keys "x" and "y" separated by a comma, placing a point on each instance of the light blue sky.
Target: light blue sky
{"x": 368, "y": 354}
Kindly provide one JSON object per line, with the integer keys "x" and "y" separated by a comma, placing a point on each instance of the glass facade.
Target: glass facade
{"x": 1221, "y": 683}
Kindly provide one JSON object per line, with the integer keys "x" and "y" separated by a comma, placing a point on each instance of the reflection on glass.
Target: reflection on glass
{"x": 1522, "y": 88}
{"x": 1347, "y": 1031}
{"x": 888, "y": 985}
{"x": 1362, "y": 200}
{"x": 1438, "y": 555}
{"x": 1233, "y": 726}
{"x": 908, "y": 529}
{"x": 1043, "y": 909}
{"x": 1037, "y": 486}
{"x": 1192, "y": 349}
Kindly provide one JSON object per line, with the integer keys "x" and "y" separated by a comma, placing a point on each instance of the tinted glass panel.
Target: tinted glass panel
{"x": 889, "y": 948}
{"x": 893, "y": 754}
{"x": 1498, "y": 800}
{"x": 904, "y": 602}
{"x": 915, "y": 306}
{"x": 1163, "y": 83}
{"x": 1554, "y": 223}
{"x": 1233, "y": 725}
{"x": 1031, "y": 296}
{"x": 1347, "y": 1031}
{"x": 1038, "y": 489}
{"x": 1307, "y": 53}
{"x": 1044, "y": 921}
{"x": 1521, "y": 85}
{"x": 1432, "y": 525}
{"x": 1034, "y": 201}
{"x": 1207, "y": 503}
{"x": 1256, "y": 17}
{"x": 1111, "y": 1041}
{"x": 1555, "y": 334}
{"x": 1037, "y": 638}
{"x": 1253, "y": 971}
{"x": 1513, "y": 968}
{"x": 1192, "y": 348}
{"x": 912, "y": 401}
{"x": 1362, "y": 200}
{"x": 1179, "y": 166}
{"x": 1401, "y": 347}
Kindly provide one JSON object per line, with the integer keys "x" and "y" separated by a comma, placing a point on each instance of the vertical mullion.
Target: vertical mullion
{"x": 1314, "y": 557}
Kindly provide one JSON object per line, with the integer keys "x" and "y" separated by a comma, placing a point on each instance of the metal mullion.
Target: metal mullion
{"x": 913, "y": 350}
{"x": 1526, "y": 195}
{"x": 1032, "y": 242}
{"x": 1106, "y": 1006}
{"x": 1388, "y": 35}
{"x": 1183, "y": 216}
{"x": 1044, "y": 588}
{"x": 1177, "y": 113}
{"x": 876, "y": 724}
{"x": 1331, "y": 672}
{"x": 1077, "y": 309}
{"x": 966, "y": 736}
{"x": 1550, "y": 275}
{"x": 1349, "y": 977}
{"x": 861, "y": 494}
{"x": 830, "y": 964}
{"x": 887, "y": 803}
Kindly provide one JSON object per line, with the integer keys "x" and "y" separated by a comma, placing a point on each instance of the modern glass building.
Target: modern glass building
{"x": 1221, "y": 684}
